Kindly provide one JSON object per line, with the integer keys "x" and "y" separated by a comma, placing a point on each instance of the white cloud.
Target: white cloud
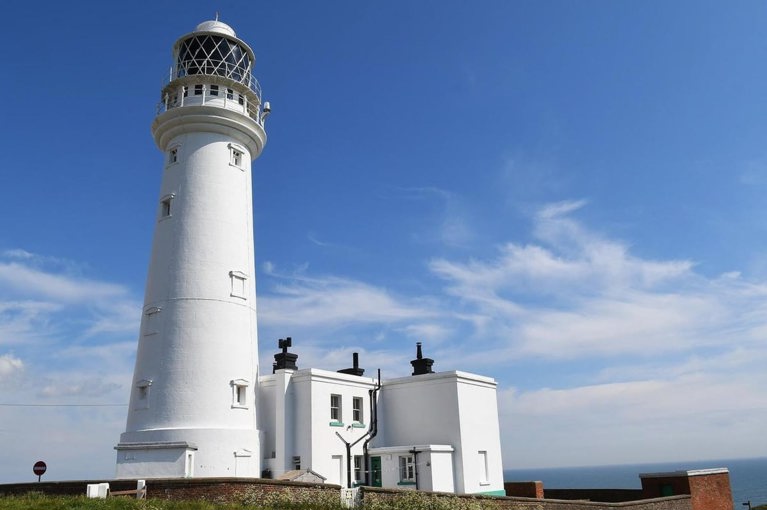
{"x": 10, "y": 366}
{"x": 304, "y": 302}
{"x": 25, "y": 280}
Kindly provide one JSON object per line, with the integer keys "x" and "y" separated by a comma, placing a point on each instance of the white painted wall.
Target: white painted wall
{"x": 451, "y": 408}
{"x": 197, "y": 334}
{"x": 306, "y": 425}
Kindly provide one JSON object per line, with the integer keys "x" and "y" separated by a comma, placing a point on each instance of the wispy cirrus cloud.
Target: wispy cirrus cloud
{"x": 298, "y": 300}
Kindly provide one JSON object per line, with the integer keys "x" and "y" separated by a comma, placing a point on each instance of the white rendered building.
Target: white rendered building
{"x": 198, "y": 407}
{"x": 429, "y": 431}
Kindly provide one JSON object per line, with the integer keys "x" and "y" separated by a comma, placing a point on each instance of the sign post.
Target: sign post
{"x": 39, "y": 468}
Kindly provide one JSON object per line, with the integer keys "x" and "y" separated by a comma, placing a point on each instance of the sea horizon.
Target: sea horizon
{"x": 748, "y": 476}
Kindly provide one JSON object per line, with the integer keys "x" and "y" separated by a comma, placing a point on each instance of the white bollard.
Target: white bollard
{"x": 141, "y": 489}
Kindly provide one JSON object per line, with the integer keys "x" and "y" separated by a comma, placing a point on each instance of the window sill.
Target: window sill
{"x": 482, "y": 484}
{"x": 405, "y": 482}
{"x": 336, "y": 424}
{"x": 358, "y": 425}
{"x": 239, "y": 406}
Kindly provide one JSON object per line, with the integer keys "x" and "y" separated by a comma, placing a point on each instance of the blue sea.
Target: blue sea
{"x": 748, "y": 477}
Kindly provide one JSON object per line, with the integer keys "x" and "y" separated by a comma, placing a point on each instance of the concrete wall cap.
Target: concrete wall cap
{"x": 689, "y": 472}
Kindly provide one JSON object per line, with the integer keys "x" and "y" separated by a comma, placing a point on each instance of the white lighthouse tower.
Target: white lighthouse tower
{"x": 193, "y": 402}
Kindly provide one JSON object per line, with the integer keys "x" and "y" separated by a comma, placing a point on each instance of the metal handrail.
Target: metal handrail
{"x": 210, "y": 67}
{"x": 254, "y": 110}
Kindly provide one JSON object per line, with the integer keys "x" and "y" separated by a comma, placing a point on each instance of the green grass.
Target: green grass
{"x": 279, "y": 500}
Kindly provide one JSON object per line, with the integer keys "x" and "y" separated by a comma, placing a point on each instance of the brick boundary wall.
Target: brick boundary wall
{"x": 524, "y": 489}
{"x": 602, "y": 495}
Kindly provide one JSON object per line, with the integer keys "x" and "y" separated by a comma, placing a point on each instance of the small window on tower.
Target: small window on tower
{"x": 173, "y": 155}
{"x": 186, "y": 91}
{"x": 239, "y": 287}
{"x": 229, "y": 94}
{"x": 198, "y": 90}
{"x": 240, "y": 99}
{"x": 236, "y": 155}
{"x": 214, "y": 90}
{"x": 166, "y": 206}
{"x": 239, "y": 393}
{"x": 142, "y": 394}
{"x": 152, "y": 320}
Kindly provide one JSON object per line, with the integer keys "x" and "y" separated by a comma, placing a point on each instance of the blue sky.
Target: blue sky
{"x": 565, "y": 196}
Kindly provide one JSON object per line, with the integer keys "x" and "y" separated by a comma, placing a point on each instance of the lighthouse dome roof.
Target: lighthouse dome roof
{"x": 215, "y": 26}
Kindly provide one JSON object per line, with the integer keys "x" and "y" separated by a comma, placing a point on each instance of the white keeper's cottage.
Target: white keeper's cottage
{"x": 199, "y": 406}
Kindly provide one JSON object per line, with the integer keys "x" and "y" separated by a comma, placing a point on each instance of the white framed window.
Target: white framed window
{"x": 406, "y": 469}
{"x": 357, "y": 414}
{"x": 483, "y": 469}
{"x": 229, "y": 94}
{"x": 152, "y": 320}
{"x": 214, "y": 90}
{"x": 335, "y": 408}
{"x": 239, "y": 288}
{"x": 198, "y": 89}
{"x": 166, "y": 206}
{"x": 142, "y": 394}
{"x": 236, "y": 155}
{"x": 240, "y": 393}
{"x": 359, "y": 472}
{"x": 296, "y": 462}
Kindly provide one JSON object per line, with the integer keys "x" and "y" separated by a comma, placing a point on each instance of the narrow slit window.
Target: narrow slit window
{"x": 229, "y": 94}
{"x": 142, "y": 394}
{"x": 152, "y": 321}
{"x": 240, "y": 99}
{"x": 173, "y": 156}
{"x": 239, "y": 393}
{"x": 483, "y": 468}
{"x": 166, "y": 206}
{"x": 236, "y": 158}
{"x": 239, "y": 287}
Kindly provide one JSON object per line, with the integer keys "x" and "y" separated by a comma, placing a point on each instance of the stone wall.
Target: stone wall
{"x": 519, "y": 503}
{"x": 233, "y": 490}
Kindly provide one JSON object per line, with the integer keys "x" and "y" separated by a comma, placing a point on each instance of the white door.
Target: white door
{"x": 337, "y": 471}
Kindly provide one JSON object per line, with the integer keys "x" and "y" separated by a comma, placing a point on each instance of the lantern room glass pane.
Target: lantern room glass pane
{"x": 213, "y": 55}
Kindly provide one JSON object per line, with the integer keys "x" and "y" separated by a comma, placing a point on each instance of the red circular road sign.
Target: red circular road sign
{"x": 39, "y": 468}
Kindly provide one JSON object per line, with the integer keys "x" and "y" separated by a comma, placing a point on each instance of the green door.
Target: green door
{"x": 375, "y": 471}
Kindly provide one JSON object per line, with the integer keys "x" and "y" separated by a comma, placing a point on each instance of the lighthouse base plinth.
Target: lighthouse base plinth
{"x": 203, "y": 453}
